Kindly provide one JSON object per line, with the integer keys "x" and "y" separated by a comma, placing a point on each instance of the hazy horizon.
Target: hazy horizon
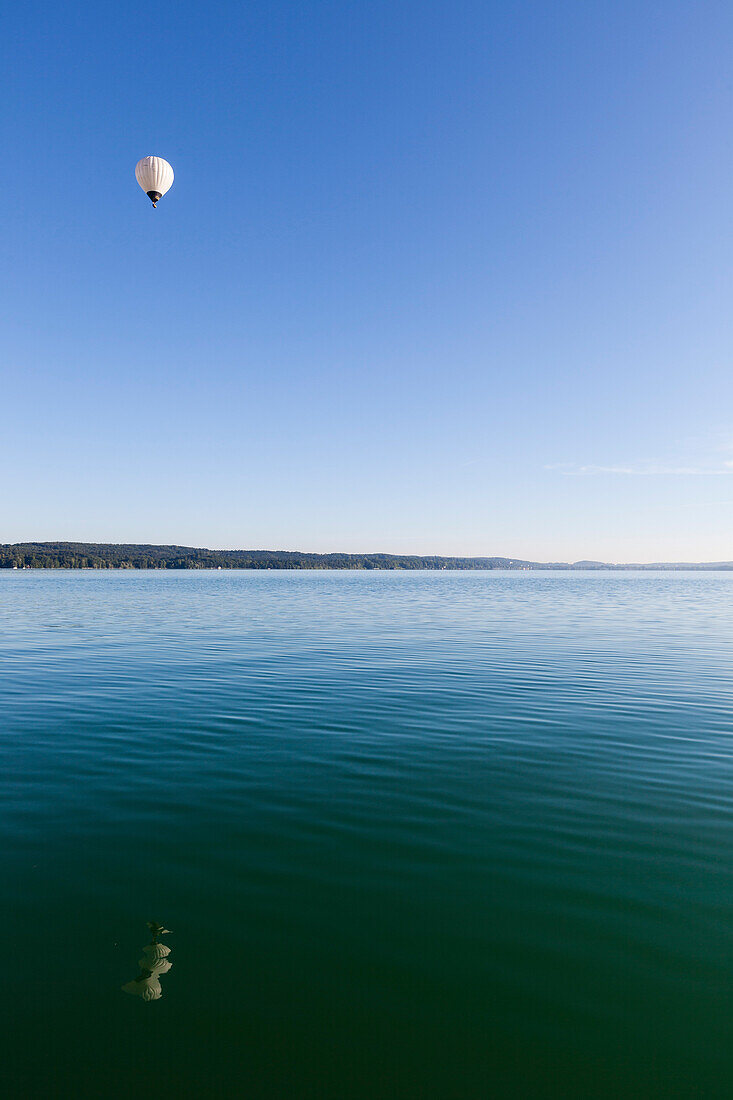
{"x": 366, "y": 552}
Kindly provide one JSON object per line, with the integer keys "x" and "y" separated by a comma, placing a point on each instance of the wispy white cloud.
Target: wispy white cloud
{"x": 644, "y": 470}
{"x": 695, "y": 456}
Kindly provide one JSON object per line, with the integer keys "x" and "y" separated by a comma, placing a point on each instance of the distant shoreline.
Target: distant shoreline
{"x": 90, "y": 555}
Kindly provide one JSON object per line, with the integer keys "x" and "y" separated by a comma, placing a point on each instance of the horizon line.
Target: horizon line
{"x": 514, "y": 561}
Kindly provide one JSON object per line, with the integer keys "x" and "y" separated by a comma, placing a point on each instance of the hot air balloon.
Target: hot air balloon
{"x": 155, "y": 176}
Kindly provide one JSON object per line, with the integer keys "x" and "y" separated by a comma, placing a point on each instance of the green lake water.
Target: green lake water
{"x": 453, "y": 835}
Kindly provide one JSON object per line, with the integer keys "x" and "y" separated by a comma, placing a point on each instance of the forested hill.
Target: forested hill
{"x": 84, "y": 555}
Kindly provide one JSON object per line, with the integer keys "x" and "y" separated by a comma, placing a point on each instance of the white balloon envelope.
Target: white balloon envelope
{"x": 155, "y": 176}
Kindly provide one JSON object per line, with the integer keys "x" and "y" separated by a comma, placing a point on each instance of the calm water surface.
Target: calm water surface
{"x": 446, "y": 835}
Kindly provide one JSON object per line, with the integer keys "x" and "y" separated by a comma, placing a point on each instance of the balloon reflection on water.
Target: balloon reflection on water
{"x": 154, "y": 962}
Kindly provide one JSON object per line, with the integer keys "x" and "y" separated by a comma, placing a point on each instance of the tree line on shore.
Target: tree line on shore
{"x": 80, "y": 555}
{"x": 92, "y": 555}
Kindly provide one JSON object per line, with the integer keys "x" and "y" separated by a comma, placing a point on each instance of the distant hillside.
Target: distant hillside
{"x": 92, "y": 555}
{"x": 82, "y": 555}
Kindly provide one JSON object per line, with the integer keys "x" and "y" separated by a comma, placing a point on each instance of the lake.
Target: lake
{"x": 443, "y": 834}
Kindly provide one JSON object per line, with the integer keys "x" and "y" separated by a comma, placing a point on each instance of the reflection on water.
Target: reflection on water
{"x": 154, "y": 962}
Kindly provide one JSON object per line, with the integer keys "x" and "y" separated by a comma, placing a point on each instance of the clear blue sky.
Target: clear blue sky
{"x": 444, "y": 277}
